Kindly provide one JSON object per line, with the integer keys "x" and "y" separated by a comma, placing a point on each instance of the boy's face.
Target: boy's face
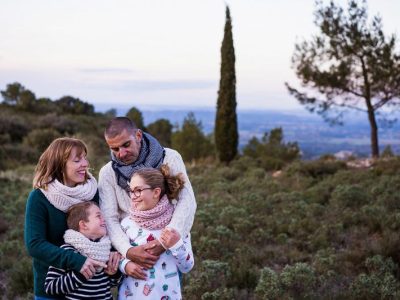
{"x": 95, "y": 227}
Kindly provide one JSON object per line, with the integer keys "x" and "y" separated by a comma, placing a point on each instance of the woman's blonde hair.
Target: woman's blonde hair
{"x": 169, "y": 184}
{"x": 53, "y": 160}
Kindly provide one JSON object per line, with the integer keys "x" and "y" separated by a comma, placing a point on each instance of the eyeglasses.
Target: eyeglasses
{"x": 138, "y": 192}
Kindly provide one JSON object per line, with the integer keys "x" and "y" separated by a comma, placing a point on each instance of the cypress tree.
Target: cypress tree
{"x": 226, "y": 132}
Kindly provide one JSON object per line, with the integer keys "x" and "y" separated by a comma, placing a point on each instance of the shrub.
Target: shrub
{"x": 40, "y": 139}
{"x": 268, "y": 286}
{"x": 350, "y": 196}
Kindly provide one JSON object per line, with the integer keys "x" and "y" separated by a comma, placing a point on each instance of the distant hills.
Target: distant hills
{"x": 314, "y": 136}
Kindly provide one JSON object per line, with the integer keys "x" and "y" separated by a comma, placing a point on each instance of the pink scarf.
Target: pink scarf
{"x": 156, "y": 218}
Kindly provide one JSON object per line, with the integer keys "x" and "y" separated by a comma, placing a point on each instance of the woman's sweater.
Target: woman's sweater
{"x": 45, "y": 226}
{"x": 115, "y": 202}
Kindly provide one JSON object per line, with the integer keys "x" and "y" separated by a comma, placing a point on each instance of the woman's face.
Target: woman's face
{"x": 75, "y": 169}
{"x": 142, "y": 195}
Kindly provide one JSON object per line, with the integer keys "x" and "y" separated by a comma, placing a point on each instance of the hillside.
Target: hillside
{"x": 317, "y": 231}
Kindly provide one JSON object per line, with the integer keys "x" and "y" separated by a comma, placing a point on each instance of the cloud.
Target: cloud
{"x": 105, "y": 70}
{"x": 147, "y": 85}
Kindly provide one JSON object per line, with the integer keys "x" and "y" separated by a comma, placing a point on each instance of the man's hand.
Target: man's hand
{"x": 141, "y": 256}
{"x": 134, "y": 270}
{"x": 89, "y": 267}
{"x": 169, "y": 237}
{"x": 112, "y": 264}
{"x": 155, "y": 248}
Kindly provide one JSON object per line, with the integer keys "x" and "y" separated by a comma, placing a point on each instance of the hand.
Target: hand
{"x": 169, "y": 237}
{"x": 89, "y": 267}
{"x": 155, "y": 248}
{"x": 134, "y": 270}
{"x": 141, "y": 256}
{"x": 113, "y": 262}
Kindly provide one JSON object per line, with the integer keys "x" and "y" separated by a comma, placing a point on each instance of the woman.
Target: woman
{"x": 61, "y": 180}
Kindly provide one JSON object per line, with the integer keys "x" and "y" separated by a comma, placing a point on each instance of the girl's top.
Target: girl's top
{"x": 163, "y": 279}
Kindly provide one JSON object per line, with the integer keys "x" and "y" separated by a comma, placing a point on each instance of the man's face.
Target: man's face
{"x": 126, "y": 145}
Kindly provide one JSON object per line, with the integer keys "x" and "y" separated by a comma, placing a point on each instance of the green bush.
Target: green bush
{"x": 40, "y": 139}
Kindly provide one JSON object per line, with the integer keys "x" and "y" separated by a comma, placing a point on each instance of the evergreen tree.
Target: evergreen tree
{"x": 226, "y": 132}
{"x": 162, "y": 131}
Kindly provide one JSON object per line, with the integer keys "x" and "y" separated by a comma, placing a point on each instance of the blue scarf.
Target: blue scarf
{"x": 151, "y": 156}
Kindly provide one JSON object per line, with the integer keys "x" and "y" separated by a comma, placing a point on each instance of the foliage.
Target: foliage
{"x": 162, "y": 131}
{"x": 40, "y": 139}
{"x": 226, "y": 131}
{"x": 350, "y": 64}
{"x": 136, "y": 116}
{"x": 190, "y": 141}
{"x": 71, "y": 105}
{"x": 271, "y": 151}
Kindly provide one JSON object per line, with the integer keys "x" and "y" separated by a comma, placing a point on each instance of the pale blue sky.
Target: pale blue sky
{"x": 157, "y": 52}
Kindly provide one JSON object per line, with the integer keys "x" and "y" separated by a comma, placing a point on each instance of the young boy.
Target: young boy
{"x": 87, "y": 235}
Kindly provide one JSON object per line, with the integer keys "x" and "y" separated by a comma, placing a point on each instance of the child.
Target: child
{"x": 87, "y": 235}
{"x": 152, "y": 191}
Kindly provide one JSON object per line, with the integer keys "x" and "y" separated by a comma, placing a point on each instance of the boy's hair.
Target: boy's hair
{"x": 169, "y": 184}
{"x": 53, "y": 161}
{"x": 78, "y": 212}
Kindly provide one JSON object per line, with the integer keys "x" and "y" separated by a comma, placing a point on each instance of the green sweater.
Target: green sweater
{"x": 45, "y": 226}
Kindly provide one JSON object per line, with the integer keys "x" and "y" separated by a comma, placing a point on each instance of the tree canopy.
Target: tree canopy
{"x": 349, "y": 64}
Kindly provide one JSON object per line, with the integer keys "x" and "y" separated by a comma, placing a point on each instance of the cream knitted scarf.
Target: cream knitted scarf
{"x": 63, "y": 197}
{"x": 156, "y": 218}
{"x": 96, "y": 250}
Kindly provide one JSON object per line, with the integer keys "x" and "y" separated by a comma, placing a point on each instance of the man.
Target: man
{"x": 132, "y": 149}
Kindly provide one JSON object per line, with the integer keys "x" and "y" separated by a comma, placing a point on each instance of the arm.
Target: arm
{"x": 35, "y": 238}
{"x": 183, "y": 254}
{"x": 59, "y": 281}
{"x": 109, "y": 207}
{"x": 183, "y": 217}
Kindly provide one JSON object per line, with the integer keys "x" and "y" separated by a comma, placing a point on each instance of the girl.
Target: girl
{"x": 61, "y": 180}
{"x": 152, "y": 192}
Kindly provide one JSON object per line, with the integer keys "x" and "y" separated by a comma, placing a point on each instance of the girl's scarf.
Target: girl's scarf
{"x": 63, "y": 197}
{"x": 151, "y": 156}
{"x": 155, "y": 218}
{"x": 95, "y": 250}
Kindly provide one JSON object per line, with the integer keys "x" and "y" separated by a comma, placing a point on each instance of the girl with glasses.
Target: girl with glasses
{"x": 153, "y": 195}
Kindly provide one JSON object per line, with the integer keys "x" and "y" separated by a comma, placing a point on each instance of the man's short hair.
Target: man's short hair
{"x": 117, "y": 125}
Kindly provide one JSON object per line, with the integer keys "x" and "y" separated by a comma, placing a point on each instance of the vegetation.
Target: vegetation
{"x": 350, "y": 64}
{"x": 226, "y": 131}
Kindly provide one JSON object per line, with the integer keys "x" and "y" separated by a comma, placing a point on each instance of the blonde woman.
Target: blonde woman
{"x": 61, "y": 180}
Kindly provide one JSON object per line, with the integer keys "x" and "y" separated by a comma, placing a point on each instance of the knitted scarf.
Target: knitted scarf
{"x": 95, "y": 250}
{"x": 151, "y": 156}
{"x": 156, "y": 218}
{"x": 63, "y": 197}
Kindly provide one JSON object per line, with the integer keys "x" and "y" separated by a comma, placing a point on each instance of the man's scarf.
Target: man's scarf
{"x": 151, "y": 156}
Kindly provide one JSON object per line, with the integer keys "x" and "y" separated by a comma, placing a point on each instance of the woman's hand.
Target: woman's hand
{"x": 89, "y": 267}
{"x": 134, "y": 270}
{"x": 113, "y": 262}
{"x": 169, "y": 237}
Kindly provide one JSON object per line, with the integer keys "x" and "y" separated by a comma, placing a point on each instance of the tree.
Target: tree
{"x": 226, "y": 131}
{"x": 350, "y": 64}
{"x": 190, "y": 140}
{"x": 162, "y": 131}
{"x": 136, "y": 116}
{"x": 11, "y": 93}
{"x": 271, "y": 151}
{"x": 74, "y": 106}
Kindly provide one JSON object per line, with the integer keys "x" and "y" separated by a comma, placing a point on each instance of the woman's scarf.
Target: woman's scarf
{"x": 99, "y": 251}
{"x": 63, "y": 197}
{"x": 151, "y": 156}
{"x": 156, "y": 218}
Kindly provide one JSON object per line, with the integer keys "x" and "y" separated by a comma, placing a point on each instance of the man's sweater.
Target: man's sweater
{"x": 115, "y": 202}
{"x": 45, "y": 226}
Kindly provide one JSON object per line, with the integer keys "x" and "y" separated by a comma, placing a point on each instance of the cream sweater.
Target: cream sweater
{"x": 115, "y": 202}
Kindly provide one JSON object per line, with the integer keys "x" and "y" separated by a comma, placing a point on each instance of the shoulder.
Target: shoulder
{"x": 106, "y": 169}
{"x": 36, "y": 198}
{"x": 171, "y": 153}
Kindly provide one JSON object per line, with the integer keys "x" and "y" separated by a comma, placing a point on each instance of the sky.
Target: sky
{"x": 158, "y": 53}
